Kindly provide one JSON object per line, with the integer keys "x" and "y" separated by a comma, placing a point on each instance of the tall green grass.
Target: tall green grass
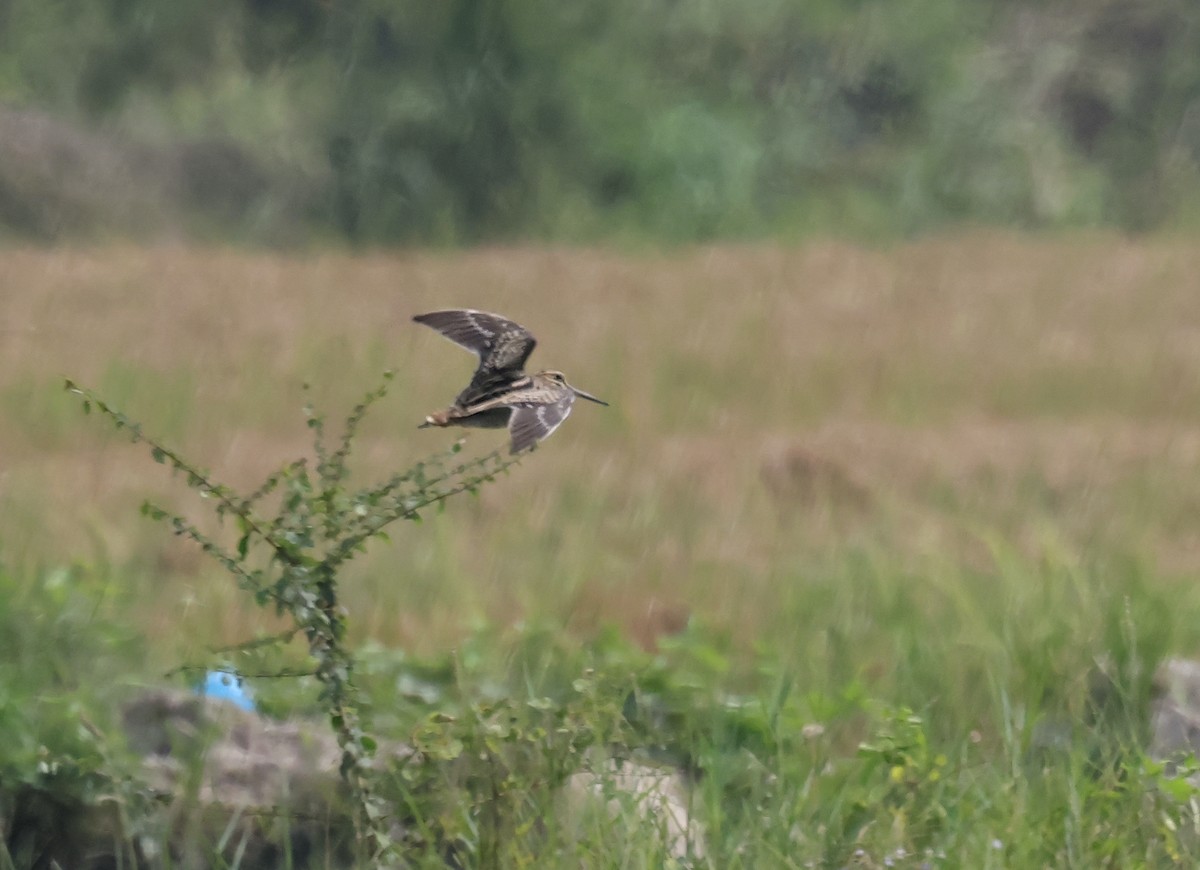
{"x": 942, "y": 655}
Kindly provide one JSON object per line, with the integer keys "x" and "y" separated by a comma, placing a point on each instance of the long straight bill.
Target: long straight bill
{"x": 581, "y": 394}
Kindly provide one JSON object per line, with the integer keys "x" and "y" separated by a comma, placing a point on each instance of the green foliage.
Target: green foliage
{"x": 778, "y": 766}
{"x": 499, "y": 766}
{"x": 62, "y": 657}
{"x": 49, "y": 626}
{"x": 480, "y": 119}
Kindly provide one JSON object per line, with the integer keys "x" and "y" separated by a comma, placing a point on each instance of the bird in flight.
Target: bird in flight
{"x": 501, "y": 394}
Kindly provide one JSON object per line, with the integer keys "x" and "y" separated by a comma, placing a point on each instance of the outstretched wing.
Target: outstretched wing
{"x": 501, "y": 345}
{"x": 531, "y": 423}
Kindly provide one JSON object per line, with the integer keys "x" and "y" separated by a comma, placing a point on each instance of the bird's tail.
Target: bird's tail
{"x": 438, "y": 418}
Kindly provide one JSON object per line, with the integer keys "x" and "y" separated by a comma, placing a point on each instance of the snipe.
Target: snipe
{"x": 500, "y": 393}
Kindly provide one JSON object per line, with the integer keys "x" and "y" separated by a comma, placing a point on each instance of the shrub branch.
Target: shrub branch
{"x": 317, "y": 526}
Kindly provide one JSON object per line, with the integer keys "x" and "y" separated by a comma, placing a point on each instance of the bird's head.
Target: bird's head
{"x": 560, "y": 379}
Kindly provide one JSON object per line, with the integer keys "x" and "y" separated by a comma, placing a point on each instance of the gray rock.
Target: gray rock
{"x": 240, "y": 789}
{"x": 1175, "y": 713}
{"x": 635, "y": 794}
{"x": 269, "y": 792}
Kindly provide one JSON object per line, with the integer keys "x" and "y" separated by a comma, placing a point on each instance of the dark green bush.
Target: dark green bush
{"x": 470, "y": 120}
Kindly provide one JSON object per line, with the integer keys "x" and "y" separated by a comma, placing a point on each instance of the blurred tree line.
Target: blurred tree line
{"x": 453, "y": 121}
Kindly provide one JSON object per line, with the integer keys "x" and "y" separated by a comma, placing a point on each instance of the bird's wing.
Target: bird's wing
{"x": 530, "y": 423}
{"x": 491, "y": 389}
{"x": 500, "y": 344}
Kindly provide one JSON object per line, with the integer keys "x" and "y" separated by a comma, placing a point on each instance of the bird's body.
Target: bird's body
{"x": 500, "y": 393}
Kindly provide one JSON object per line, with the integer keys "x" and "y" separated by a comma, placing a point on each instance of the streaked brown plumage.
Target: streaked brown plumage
{"x": 500, "y": 394}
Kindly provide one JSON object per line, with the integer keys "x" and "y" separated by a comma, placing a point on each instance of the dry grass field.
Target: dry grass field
{"x": 902, "y": 533}
{"x": 772, "y": 411}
